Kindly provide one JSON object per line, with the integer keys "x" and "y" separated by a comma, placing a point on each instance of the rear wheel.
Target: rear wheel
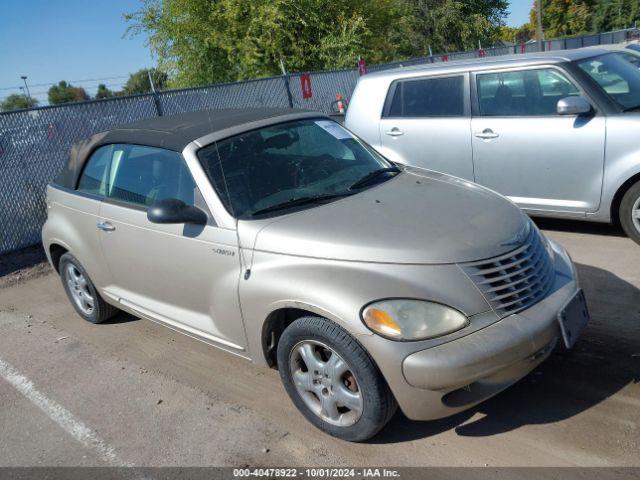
{"x": 630, "y": 212}
{"x": 82, "y": 292}
{"x": 332, "y": 380}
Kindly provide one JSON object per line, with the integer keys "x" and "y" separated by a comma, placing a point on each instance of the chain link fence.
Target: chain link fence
{"x": 34, "y": 143}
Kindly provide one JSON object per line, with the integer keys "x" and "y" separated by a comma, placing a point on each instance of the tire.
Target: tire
{"x": 345, "y": 373}
{"x": 81, "y": 291}
{"x": 630, "y": 212}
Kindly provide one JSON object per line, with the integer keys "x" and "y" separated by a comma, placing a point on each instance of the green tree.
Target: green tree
{"x": 16, "y": 102}
{"x": 453, "y": 25}
{"x": 615, "y": 14}
{"x": 562, "y": 18}
{"x": 521, "y": 34}
{"x": 204, "y": 41}
{"x": 576, "y": 17}
{"x": 64, "y": 92}
{"x": 104, "y": 92}
{"x": 138, "y": 82}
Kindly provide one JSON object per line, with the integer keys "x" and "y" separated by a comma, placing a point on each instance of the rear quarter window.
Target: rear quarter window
{"x": 94, "y": 179}
{"x": 426, "y": 97}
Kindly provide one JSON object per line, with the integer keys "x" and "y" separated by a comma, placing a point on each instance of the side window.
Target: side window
{"x": 141, "y": 175}
{"x": 554, "y": 84}
{"x": 427, "y": 97}
{"x": 95, "y": 176}
{"x": 523, "y": 93}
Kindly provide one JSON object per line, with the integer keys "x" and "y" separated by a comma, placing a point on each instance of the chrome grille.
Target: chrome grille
{"x": 516, "y": 280}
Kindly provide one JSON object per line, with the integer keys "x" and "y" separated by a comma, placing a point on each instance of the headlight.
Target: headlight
{"x": 406, "y": 319}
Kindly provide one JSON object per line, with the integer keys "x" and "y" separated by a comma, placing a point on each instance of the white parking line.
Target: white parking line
{"x": 60, "y": 415}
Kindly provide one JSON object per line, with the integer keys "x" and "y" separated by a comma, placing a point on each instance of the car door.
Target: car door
{"x": 426, "y": 123}
{"x": 185, "y": 276}
{"x": 523, "y": 149}
{"x": 82, "y": 209}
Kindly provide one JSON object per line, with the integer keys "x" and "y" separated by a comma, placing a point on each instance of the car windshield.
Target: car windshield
{"x": 291, "y": 165}
{"x": 617, "y": 77}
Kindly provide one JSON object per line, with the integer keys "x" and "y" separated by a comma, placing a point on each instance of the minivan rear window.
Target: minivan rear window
{"x": 426, "y": 97}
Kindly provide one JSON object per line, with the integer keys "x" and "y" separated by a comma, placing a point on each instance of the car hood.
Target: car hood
{"x": 417, "y": 217}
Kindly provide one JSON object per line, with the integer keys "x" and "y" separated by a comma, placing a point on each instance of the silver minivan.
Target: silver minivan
{"x": 280, "y": 237}
{"x": 558, "y": 132}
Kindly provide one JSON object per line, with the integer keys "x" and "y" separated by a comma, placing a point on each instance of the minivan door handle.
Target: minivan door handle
{"x": 486, "y": 134}
{"x": 106, "y": 226}
{"x": 394, "y": 132}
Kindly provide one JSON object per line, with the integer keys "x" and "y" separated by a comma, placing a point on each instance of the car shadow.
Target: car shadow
{"x": 605, "y": 360}
{"x": 578, "y": 226}
{"x": 120, "y": 317}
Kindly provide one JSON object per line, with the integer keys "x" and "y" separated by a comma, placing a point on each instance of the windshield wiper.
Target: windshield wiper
{"x": 294, "y": 202}
{"x": 372, "y": 176}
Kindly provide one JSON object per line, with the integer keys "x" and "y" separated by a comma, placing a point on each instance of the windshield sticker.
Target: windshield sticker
{"x": 333, "y": 129}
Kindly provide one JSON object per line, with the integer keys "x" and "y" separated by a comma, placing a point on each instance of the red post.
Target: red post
{"x": 362, "y": 67}
{"x": 305, "y": 84}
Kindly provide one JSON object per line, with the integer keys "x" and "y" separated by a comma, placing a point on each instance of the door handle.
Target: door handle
{"x": 394, "y": 132}
{"x": 486, "y": 134}
{"x": 106, "y": 226}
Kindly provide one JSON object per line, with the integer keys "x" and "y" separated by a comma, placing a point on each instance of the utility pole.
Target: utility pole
{"x": 539, "y": 33}
{"x": 156, "y": 98}
{"x": 153, "y": 87}
{"x": 287, "y": 86}
{"x": 24, "y": 79}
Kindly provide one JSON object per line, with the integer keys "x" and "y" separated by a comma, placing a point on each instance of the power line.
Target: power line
{"x": 108, "y": 85}
{"x": 68, "y": 81}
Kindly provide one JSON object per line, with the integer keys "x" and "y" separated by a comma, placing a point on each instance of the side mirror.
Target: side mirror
{"x": 574, "y": 106}
{"x": 172, "y": 210}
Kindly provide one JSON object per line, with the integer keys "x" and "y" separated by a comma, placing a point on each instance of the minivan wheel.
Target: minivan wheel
{"x": 82, "y": 293}
{"x": 630, "y": 212}
{"x": 332, "y": 380}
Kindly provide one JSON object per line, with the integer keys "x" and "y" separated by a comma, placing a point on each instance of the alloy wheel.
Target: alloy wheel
{"x": 326, "y": 383}
{"x": 79, "y": 289}
{"x": 635, "y": 214}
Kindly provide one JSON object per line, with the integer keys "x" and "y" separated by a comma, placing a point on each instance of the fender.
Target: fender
{"x": 338, "y": 290}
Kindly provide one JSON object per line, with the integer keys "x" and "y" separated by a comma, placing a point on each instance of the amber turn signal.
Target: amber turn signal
{"x": 380, "y": 321}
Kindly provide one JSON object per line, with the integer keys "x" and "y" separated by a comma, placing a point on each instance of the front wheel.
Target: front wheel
{"x": 630, "y": 212}
{"x": 332, "y": 380}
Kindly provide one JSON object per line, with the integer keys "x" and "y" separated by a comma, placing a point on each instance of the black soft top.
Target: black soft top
{"x": 173, "y": 132}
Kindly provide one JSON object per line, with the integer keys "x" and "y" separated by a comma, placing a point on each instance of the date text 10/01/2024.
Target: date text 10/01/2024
{"x": 318, "y": 472}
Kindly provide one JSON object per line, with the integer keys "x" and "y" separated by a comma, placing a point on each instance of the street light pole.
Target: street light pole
{"x": 24, "y": 79}
{"x": 539, "y": 33}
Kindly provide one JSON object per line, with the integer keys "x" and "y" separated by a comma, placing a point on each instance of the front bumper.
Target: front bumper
{"x": 451, "y": 377}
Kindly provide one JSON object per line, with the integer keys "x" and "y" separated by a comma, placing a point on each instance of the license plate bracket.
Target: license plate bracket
{"x": 573, "y": 317}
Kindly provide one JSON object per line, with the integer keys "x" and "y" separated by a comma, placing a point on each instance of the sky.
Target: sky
{"x": 53, "y": 40}
{"x": 519, "y": 12}
{"x": 82, "y": 42}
